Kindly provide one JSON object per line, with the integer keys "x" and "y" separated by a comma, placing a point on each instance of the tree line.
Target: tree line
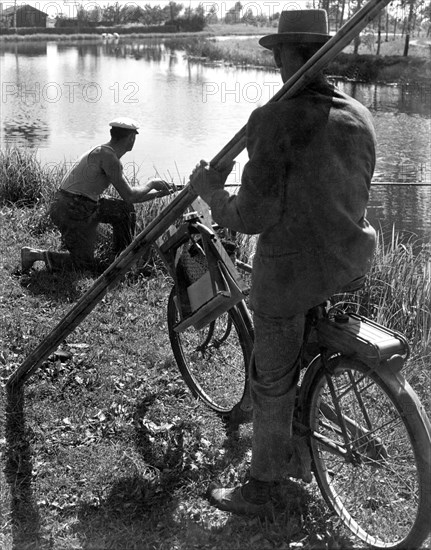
{"x": 401, "y": 18}
{"x": 184, "y": 18}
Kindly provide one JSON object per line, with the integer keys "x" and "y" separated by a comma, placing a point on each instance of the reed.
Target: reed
{"x": 24, "y": 181}
{"x": 398, "y": 289}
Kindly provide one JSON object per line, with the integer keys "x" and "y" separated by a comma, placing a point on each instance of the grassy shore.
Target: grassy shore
{"x": 391, "y": 66}
{"x": 105, "y": 448}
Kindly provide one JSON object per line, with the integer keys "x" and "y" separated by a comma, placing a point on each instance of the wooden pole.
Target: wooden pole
{"x": 184, "y": 199}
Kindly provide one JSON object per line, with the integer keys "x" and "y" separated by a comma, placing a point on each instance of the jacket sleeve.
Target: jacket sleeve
{"x": 260, "y": 200}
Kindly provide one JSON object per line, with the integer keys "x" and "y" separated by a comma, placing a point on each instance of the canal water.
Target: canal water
{"x": 58, "y": 97}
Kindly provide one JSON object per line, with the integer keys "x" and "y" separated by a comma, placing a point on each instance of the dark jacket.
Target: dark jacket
{"x": 304, "y": 190}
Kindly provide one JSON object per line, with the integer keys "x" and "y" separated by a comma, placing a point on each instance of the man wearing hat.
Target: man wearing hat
{"x": 78, "y": 208}
{"x": 304, "y": 190}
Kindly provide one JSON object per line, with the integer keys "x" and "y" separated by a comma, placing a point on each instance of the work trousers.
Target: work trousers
{"x": 77, "y": 218}
{"x": 273, "y": 378}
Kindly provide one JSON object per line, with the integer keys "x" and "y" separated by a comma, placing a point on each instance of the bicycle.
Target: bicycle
{"x": 367, "y": 431}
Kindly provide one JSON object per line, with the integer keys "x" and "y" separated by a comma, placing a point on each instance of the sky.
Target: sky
{"x": 68, "y": 7}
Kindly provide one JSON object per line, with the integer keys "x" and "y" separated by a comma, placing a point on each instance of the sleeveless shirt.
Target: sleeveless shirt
{"x": 87, "y": 177}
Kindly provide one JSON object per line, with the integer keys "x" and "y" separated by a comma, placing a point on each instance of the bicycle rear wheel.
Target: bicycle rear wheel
{"x": 213, "y": 361}
{"x": 371, "y": 453}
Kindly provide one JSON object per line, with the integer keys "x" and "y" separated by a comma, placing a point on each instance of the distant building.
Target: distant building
{"x": 26, "y": 16}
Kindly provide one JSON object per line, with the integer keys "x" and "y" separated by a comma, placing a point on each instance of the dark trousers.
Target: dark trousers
{"x": 77, "y": 217}
{"x": 273, "y": 377}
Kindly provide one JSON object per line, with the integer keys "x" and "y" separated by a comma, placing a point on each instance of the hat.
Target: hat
{"x": 299, "y": 26}
{"x": 124, "y": 122}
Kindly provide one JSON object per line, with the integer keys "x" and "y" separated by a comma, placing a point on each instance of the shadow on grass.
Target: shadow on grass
{"x": 18, "y": 472}
{"x": 56, "y": 286}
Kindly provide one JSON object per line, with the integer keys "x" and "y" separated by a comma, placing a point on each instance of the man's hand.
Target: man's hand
{"x": 162, "y": 185}
{"x": 205, "y": 180}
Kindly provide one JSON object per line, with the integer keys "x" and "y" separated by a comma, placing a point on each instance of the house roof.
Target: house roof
{"x": 27, "y": 7}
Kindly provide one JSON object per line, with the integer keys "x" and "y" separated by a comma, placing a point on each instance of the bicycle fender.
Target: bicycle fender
{"x": 407, "y": 396}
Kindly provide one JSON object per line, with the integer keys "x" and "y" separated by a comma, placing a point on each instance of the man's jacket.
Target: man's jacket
{"x": 304, "y": 190}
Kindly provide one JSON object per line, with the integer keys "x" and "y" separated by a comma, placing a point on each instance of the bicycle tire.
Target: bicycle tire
{"x": 381, "y": 490}
{"x": 213, "y": 361}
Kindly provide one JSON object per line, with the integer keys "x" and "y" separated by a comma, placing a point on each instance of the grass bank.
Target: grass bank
{"x": 105, "y": 448}
{"x": 365, "y": 66}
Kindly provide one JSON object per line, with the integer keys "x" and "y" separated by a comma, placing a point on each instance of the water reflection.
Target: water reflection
{"x": 23, "y": 116}
{"x": 148, "y": 51}
{"x": 32, "y": 49}
{"x": 402, "y": 116}
{"x": 409, "y": 203}
{"x": 408, "y": 98}
{"x": 26, "y": 130}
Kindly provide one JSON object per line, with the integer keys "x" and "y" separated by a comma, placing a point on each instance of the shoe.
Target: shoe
{"x": 234, "y": 499}
{"x": 27, "y": 258}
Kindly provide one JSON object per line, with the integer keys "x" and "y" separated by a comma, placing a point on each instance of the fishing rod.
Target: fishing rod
{"x": 401, "y": 183}
{"x": 185, "y": 198}
{"x": 181, "y": 186}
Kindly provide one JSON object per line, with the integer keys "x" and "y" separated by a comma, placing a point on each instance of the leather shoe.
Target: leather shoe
{"x": 233, "y": 500}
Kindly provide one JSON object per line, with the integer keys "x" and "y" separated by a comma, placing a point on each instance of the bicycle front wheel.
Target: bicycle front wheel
{"x": 371, "y": 453}
{"x": 213, "y": 361}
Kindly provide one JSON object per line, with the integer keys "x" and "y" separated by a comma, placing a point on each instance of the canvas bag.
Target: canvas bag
{"x": 214, "y": 285}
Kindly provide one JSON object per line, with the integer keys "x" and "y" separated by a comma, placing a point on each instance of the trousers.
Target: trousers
{"x": 77, "y": 218}
{"x": 273, "y": 380}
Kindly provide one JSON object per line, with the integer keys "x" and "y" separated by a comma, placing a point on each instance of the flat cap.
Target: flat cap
{"x": 124, "y": 122}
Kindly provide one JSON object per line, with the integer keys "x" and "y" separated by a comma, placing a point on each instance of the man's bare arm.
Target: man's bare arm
{"x": 154, "y": 187}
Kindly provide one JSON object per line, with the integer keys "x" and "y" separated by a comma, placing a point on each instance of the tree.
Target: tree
{"x": 424, "y": 13}
{"x": 155, "y": 15}
{"x": 379, "y": 33}
{"x": 211, "y": 15}
{"x": 81, "y": 14}
{"x": 249, "y": 18}
{"x": 193, "y": 20}
{"x": 409, "y": 27}
{"x": 357, "y": 40}
{"x": 172, "y": 11}
{"x": 132, "y": 14}
{"x": 234, "y": 14}
{"x": 112, "y": 13}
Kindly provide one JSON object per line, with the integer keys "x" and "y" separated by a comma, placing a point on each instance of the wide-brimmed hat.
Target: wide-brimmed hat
{"x": 126, "y": 123}
{"x": 299, "y": 26}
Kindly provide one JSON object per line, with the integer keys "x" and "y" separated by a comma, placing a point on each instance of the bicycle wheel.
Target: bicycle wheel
{"x": 213, "y": 361}
{"x": 371, "y": 453}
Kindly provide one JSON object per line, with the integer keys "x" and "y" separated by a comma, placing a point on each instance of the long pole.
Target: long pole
{"x": 184, "y": 199}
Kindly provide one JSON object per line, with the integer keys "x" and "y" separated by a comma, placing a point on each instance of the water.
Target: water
{"x": 57, "y": 98}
